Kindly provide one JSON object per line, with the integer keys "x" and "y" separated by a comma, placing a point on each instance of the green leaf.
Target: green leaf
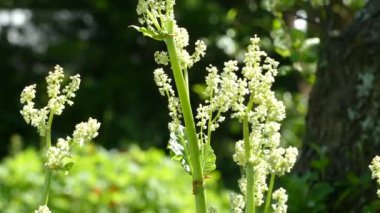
{"x": 178, "y": 147}
{"x": 148, "y": 32}
{"x": 208, "y": 159}
{"x": 159, "y": 36}
{"x": 68, "y": 166}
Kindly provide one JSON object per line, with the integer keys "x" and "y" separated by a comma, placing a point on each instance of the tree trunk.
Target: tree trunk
{"x": 344, "y": 110}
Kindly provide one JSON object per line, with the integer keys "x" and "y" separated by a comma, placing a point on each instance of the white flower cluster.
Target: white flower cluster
{"x": 154, "y": 13}
{"x": 181, "y": 39}
{"x": 375, "y": 169}
{"x": 237, "y": 203}
{"x": 281, "y": 197}
{"x": 57, "y": 99}
{"x": 177, "y": 141}
{"x": 257, "y": 104}
{"x": 33, "y": 116}
{"x": 42, "y": 209}
{"x": 161, "y": 58}
{"x": 222, "y": 92}
{"x": 84, "y": 132}
{"x": 56, "y": 155}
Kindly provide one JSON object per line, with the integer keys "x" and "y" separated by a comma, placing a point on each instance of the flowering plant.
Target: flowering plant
{"x": 247, "y": 95}
{"x": 58, "y": 157}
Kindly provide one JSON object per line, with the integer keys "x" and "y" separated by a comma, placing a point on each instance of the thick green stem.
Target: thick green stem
{"x": 46, "y": 188}
{"x": 249, "y": 169}
{"x": 250, "y": 198}
{"x": 197, "y": 174}
{"x": 269, "y": 194}
{"x": 48, "y": 172}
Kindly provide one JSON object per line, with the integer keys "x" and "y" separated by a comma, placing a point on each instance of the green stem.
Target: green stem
{"x": 48, "y": 172}
{"x": 249, "y": 169}
{"x": 269, "y": 194}
{"x": 197, "y": 173}
{"x": 250, "y": 198}
{"x": 186, "y": 78}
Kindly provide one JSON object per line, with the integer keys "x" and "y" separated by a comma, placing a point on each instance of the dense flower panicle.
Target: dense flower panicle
{"x": 153, "y": 12}
{"x": 281, "y": 197}
{"x": 237, "y": 203}
{"x": 212, "y": 81}
{"x": 181, "y": 37}
{"x": 203, "y": 115}
{"x": 42, "y": 209}
{"x": 161, "y": 58}
{"x": 222, "y": 92}
{"x": 258, "y": 104}
{"x": 177, "y": 141}
{"x": 181, "y": 40}
{"x": 56, "y": 155}
{"x": 57, "y": 99}
{"x": 71, "y": 88}
{"x": 28, "y": 94}
{"x": 239, "y": 155}
{"x": 54, "y": 81}
{"x": 375, "y": 169}
{"x": 199, "y": 52}
{"x": 243, "y": 185}
{"x": 86, "y": 131}
{"x": 163, "y": 82}
{"x": 35, "y": 117}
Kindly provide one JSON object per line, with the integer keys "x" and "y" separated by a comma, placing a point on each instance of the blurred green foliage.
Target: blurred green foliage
{"x": 105, "y": 181}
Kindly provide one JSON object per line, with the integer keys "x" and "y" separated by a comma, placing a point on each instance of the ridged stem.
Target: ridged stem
{"x": 48, "y": 172}
{"x": 181, "y": 85}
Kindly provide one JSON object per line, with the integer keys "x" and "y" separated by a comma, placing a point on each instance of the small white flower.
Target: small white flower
{"x": 199, "y": 52}
{"x": 239, "y": 156}
{"x": 163, "y": 82}
{"x": 57, "y": 154}
{"x": 154, "y": 14}
{"x": 203, "y": 115}
{"x": 161, "y": 57}
{"x": 59, "y": 98}
{"x": 42, "y": 209}
{"x": 281, "y": 197}
{"x": 237, "y": 203}
{"x": 54, "y": 81}
{"x": 28, "y": 94}
{"x": 86, "y": 131}
{"x": 181, "y": 37}
{"x": 375, "y": 168}
{"x": 282, "y": 160}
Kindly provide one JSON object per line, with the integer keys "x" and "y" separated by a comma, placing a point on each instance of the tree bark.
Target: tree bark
{"x": 344, "y": 110}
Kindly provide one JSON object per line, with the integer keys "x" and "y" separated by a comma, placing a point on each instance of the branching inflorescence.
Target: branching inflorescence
{"x": 375, "y": 169}
{"x": 58, "y": 157}
{"x": 247, "y": 96}
{"x": 261, "y": 113}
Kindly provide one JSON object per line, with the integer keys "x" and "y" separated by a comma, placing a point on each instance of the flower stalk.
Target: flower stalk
{"x": 269, "y": 194}
{"x": 48, "y": 172}
{"x": 58, "y": 156}
{"x": 198, "y": 179}
{"x": 250, "y": 198}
